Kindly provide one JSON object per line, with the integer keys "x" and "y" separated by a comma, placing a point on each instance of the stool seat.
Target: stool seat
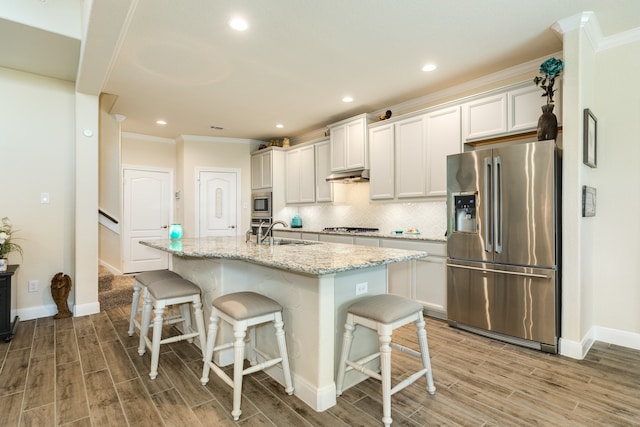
{"x": 245, "y": 310}
{"x": 243, "y": 305}
{"x": 157, "y": 296}
{"x": 172, "y": 288}
{"x": 142, "y": 280}
{"x": 383, "y": 314}
{"x": 385, "y": 308}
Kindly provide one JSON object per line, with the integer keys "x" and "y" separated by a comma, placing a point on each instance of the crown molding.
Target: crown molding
{"x": 142, "y": 137}
{"x": 229, "y": 140}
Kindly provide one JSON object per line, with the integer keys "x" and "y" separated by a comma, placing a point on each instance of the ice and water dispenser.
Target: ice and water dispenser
{"x": 465, "y": 213}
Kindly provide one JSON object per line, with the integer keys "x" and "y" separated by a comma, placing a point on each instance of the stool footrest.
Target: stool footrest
{"x": 222, "y": 374}
{"x": 406, "y": 350}
{"x": 261, "y": 366}
{"x": 360, "y": 368}
{"x": 408, "y": 381}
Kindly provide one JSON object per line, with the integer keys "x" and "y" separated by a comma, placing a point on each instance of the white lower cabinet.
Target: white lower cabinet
{"x": 334, "y": 238}
{"x": 425, "y": 279}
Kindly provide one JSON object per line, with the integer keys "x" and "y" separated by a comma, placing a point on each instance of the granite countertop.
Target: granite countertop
{"x": 378, "y": 234}
{"x": 318, "y": 258}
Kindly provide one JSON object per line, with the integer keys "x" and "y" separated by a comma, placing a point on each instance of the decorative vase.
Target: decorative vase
{"x": 547, "y": 124}
{"x": 175, "y": 231}
{"x": 4, "y": 263}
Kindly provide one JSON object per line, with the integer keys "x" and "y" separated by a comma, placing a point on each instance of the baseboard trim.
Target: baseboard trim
{"x": 578, "y": 350}
{"x": 86, "y": 309}
{"x": 30, "y": 313}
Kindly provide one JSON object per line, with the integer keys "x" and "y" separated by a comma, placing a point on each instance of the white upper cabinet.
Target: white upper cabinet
{"x": 300, "y": 175}
{"x": 324, "y": 189}
{"x": 443, "y": 138}
{"x": 261, "y": 170}
{"x": 411, "y": 157}
{"x": 508, "y": 111}
{"x": 349, "y": 144}
{"x": 382, "y": 162}
{"x": 484, "y": 117}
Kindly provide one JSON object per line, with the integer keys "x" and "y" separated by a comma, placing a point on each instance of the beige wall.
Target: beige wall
{"x": 615, "y": 265}
{"x": 37, "y": 152}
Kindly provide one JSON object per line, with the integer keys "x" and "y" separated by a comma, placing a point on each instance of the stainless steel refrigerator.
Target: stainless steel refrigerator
{"x": 503, "y": 243}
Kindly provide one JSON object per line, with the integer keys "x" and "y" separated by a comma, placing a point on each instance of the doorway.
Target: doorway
{"x": 147, "y": 207}
{"x": 217, "y": 206}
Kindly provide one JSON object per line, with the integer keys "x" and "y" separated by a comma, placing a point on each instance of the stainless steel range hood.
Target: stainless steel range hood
{"x": 359, "y": 175}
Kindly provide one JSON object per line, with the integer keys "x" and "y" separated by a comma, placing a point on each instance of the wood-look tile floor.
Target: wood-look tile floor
{"x": 85, "y": 371}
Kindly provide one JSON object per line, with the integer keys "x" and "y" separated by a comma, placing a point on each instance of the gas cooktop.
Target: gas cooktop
{"x": 350, "y": 229}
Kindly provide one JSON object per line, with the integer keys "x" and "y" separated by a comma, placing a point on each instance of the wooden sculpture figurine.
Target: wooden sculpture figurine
{"x": 60, "y": 288}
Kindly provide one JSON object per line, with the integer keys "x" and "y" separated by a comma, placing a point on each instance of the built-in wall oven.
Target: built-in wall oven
{"x": 261, "y": 205}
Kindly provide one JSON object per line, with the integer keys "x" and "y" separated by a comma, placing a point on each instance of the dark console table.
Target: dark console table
{"x": 7, "y": 328}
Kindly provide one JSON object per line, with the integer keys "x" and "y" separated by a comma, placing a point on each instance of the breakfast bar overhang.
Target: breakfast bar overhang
{"x": 314, "y": 282}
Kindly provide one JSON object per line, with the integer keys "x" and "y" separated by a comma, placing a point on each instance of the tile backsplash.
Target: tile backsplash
{"x": 352, "y": 208}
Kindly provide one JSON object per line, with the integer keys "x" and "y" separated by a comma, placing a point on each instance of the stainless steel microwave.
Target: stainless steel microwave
{"x": 261, "y": 205}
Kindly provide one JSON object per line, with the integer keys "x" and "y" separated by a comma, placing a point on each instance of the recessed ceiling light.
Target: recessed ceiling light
{"x": 161, "y": 122}
{"x": 279, "y": 125}
{"x": 238, "y": 24}
{"x": 429, "y": 67}
{"x": 347, "y": 99}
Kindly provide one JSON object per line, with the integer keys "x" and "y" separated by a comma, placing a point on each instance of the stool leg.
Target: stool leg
{"x": 211, "y": 342}
{"x": 251, "y": 349}
{"x": 134, "y": 306}
{"x": 282, "y": 345}
{"x": 157, "y": 336}
{"x": 198, "y": 314}
{"x": 384, "y": 339}
{"x": 346, "y": 349}
{"x": 185, "y": 313}
{"x": 239, "y": 332}
{"x": 424, "y": 351}
{"x": 146, "y": 319}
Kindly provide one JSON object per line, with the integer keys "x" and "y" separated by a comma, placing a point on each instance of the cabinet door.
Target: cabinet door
{"x": 381, "y": 162}
{"x": 484, "y": 117}
{"x": 324, "y": 189}
{"x": 338, "y": 148}
{"x": 356, "y": 144}
{"x": 307, "y": 176}
{"x": 266, "y": 170}
{"x": 411, "y": 170}
{"x": 292, "y": 184}
{"x": 261, "y": 171}
{"x": 443, "y": 138}
{"x": 334, "y": 238}
{"x": 399, "y": 278}
{"x": 431, "y": 285}
{"x": 523, "y": 107}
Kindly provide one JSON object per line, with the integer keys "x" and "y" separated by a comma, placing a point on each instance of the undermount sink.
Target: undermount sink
{"x": 291, "y": 242}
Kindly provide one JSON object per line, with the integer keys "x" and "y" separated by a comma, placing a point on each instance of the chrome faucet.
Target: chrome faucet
{"x": 261, "y": 238}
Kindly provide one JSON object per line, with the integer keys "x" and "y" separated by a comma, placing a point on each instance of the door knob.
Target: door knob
{"x": 165, "y": 226}
{"x": 232, "y": 226}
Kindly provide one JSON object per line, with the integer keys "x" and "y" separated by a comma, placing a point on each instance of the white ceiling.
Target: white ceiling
{"x": 179, "y": 61}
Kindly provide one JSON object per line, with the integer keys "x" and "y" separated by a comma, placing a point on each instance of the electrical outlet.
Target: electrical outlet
{"x": 33, "y": 286}
{"x": 362, "y": 288}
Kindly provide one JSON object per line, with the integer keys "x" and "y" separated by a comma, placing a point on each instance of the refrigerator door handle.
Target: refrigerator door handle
{"x": 488, "y": 224}
{"x": 490, "y": 270}
{"x": 497, "y": 197}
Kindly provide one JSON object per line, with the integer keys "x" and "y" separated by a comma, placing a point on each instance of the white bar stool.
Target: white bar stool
{"x": 384, "y": 313}
{"x": 159, "y": 295}
{"x": 142, "y": 280}
{"x": 244, "y": 310}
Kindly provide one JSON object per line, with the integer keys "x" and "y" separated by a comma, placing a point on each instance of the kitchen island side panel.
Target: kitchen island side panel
{"x": 314, "y": 312}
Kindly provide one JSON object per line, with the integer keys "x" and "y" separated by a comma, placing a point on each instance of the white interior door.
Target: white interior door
{"x": 218, "y": 199}
{"x": 146, "y": 205}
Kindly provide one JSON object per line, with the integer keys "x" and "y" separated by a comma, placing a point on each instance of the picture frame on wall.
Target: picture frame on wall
{"x": 590, "y": 151}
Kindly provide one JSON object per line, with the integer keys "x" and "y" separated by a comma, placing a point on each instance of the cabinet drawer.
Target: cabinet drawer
{"x": 432, "y": 248}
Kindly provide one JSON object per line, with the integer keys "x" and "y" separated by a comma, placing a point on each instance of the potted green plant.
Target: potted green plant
{"x": 6, "y": 244}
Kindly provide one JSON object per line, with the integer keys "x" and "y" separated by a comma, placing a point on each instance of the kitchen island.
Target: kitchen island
{"x": 314, "y": 282}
